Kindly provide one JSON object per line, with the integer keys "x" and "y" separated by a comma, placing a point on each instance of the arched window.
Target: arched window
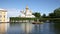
{"x": 0, "y": 16}
{"x": 4, "y": 16}
{"x": 0, "y": 20}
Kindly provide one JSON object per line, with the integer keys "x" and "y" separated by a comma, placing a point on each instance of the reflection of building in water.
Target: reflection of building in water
{"x": 27, "y": 27}
{"x": 3, "y": 27}
{"x": 3, "y": 15}
{"x": 27, "y": 13}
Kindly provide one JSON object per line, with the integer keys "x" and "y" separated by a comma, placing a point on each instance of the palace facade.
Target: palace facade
{"x": 3, "y": 15}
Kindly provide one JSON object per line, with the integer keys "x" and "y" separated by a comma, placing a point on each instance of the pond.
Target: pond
{"x": 29, "y": 28}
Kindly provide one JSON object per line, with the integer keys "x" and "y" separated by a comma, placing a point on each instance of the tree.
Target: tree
{"x": 51, "y": 15}
{"x": 44, "y": 15}
{"x": 55, "y": 14}
{"x": 36, "y": 14}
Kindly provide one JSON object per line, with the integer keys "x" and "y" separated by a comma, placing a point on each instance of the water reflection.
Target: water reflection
{"x": 28, "y": 28}
{"x": 3, "y": 27}
{"x": 42, "y": 29}
{"x": 57, "y": 28}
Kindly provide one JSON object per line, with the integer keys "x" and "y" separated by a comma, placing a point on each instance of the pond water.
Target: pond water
{"x": 28, "y": 28}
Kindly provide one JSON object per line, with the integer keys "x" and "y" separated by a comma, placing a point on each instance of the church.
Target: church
{"x": 25, "y": 16}
{"x": 26, "y": 13}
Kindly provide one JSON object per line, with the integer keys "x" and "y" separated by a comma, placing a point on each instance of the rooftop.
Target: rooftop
{"x": 2, "y": 9}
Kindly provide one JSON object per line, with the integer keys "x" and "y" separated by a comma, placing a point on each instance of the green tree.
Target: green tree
{"x": 57, "y": 13}
{"x": 51, "y": 15}
{"x": 44, "y": 15}
{"x": 36, "y": 14}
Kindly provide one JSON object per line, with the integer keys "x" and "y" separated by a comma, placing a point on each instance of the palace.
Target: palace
{"x": 27, "y": 13}
{"x": 3, "y": 15}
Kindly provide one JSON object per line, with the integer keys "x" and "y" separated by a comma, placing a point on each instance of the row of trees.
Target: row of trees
{"x": 55, "y": 14}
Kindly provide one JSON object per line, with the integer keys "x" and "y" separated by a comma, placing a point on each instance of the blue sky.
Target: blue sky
{"x": 43, "y": 6}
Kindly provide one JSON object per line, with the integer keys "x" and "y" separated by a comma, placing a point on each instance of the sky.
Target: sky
{"x": 14, "y": 7}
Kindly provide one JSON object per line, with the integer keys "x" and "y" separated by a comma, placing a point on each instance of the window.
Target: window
{"x": 4, "y": 16}
{"x": 0, "y": 16}
{"x": 0, "y": 20}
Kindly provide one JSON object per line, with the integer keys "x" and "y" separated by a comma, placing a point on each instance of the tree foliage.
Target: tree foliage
{"x": 44, "y": 15}
{"x": 51, "y": 15}
{"x": 36, "y": 14}
{"x": 55, "y": 14}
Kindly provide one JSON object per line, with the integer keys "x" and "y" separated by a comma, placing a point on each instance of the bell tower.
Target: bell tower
{"x": 26, "y": 8}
